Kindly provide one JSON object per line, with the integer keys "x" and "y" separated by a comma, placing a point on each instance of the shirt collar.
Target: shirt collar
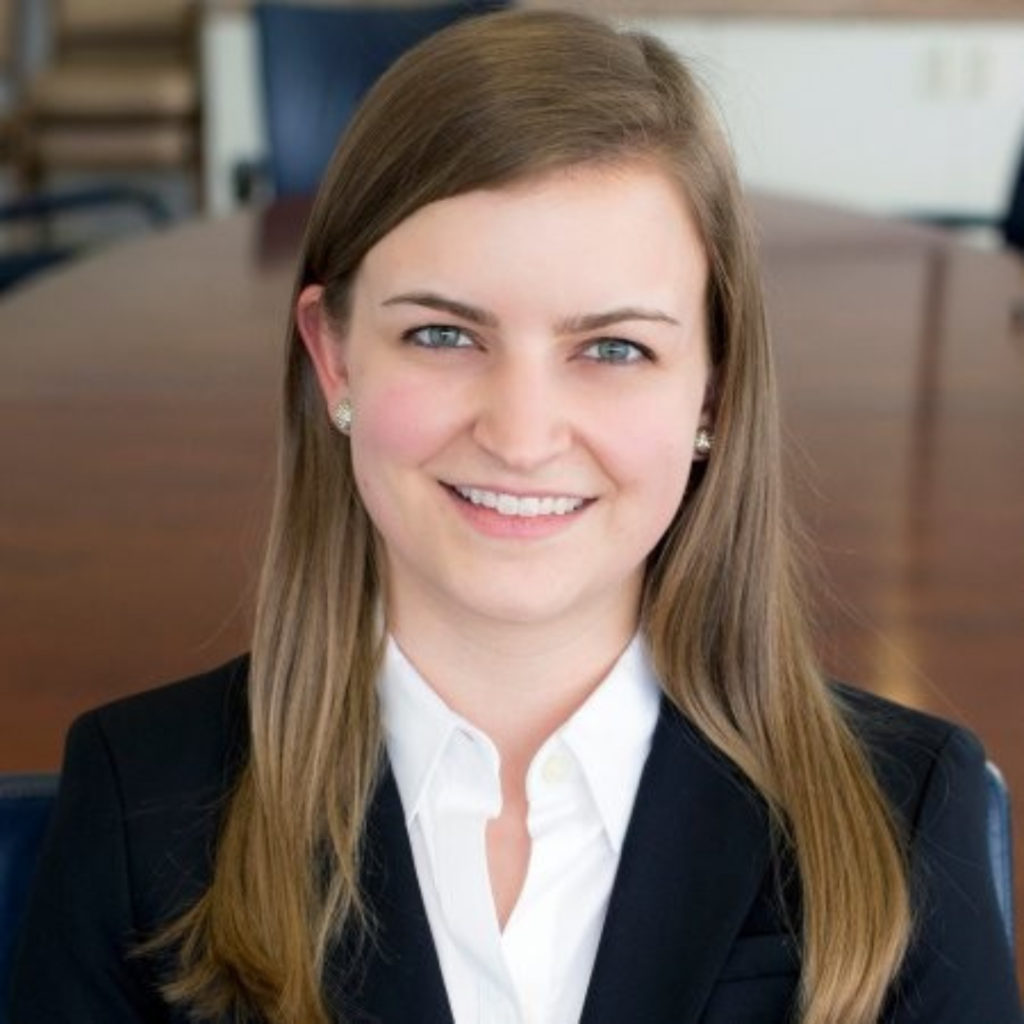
{"x": 418, "y": 727}
{"x": 609, "y": 735}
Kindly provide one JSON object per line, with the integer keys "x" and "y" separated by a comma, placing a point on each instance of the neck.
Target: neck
{"x": 517, "y": 682}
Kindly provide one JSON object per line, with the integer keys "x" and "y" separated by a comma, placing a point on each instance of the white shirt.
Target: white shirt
{"x": 580, "y": 787}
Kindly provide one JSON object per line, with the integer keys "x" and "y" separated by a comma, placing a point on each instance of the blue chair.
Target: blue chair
{"x": 1000, "y": 844}
{"x": 25, "y": 805}
{"x": 317, "y": 62}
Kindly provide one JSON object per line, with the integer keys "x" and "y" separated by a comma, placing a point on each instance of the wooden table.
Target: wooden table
{"x": 138, "y": 397}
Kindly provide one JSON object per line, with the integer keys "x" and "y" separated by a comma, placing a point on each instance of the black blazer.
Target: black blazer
{"x": 694, "y": 931}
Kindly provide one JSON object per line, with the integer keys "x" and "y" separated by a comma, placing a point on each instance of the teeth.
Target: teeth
{"x": 527, "y": 507}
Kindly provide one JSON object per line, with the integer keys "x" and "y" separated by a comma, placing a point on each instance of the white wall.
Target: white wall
{"x": 232, "y": 116}
{"x": 884, "y": 116}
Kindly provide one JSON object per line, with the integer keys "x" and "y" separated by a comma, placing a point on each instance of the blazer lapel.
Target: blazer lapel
{"x": 693, "y": 861}
{"x": 396, "y": 977}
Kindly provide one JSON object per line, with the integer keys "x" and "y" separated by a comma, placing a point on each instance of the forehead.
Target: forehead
{"x": 628, "y": 222}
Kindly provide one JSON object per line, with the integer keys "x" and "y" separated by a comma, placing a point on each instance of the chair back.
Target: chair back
{"x": 317, "y": 62}
{"x": 1000, "y": 845}
{"x": 121, "y": 25}
{"x": 120, "y": 95}
{"x": 25, "y": 805}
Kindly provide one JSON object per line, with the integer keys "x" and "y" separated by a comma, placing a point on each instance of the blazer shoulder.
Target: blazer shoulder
{"x": 881, "y": 720}
{"x": 176, "y": 737}
{"x": 908, "y": 748}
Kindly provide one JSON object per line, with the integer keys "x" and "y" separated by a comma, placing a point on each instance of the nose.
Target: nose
{"x": 523, "y": 419}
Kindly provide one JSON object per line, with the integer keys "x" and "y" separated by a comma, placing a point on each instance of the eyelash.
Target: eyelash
{"x": 416, "y": 336}
{"x": 636, "y": 352}
{"x": 459, "y": 338}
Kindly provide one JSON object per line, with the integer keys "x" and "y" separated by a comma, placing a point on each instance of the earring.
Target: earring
{"x": 341, "y": 418}
{"x": 704, "y": 442}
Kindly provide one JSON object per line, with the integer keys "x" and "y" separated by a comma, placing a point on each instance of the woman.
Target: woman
{"x": 531, "y": 728}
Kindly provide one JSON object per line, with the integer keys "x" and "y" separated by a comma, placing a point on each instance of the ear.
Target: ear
{"x": 323, "y": 343}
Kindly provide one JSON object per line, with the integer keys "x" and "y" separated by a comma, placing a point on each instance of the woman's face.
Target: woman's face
{"x": 528, "y": 368}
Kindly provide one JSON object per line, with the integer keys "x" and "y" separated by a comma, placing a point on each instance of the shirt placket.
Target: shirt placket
{"x": 468, "y": 795}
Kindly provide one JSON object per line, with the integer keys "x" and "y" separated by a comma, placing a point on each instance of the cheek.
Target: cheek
{"x": 666, "y": 470}
{"x": 384, "y": 438}
{"x": 653, "y": 453}
{"x": 400, "y": 425}
{"x": 392, "y": 421}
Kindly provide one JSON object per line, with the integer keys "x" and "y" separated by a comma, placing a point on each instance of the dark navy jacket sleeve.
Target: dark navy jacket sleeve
{"x": 75, "y": 963}
{"x": 959, "y": 970}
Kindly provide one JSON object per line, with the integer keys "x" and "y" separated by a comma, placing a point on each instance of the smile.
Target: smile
{"x": 520, "y": 506}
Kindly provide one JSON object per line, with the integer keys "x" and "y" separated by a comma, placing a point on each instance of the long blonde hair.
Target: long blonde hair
{"x": 492, "y": 101}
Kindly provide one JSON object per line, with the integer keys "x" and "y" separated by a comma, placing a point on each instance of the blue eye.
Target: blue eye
{"x": 615, "y": 350}
{"x": 439, "y": 336}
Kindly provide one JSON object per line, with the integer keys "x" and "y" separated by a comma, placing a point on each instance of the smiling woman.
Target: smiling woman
{"x": 465, "y": 430}
{"x": 532, "y": 729}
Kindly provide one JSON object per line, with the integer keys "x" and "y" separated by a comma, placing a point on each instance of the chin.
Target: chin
{"x": 517, "y": 613}
{"x": 539, "y": 603}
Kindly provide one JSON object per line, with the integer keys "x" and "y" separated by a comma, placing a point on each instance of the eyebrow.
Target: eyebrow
{"x": 445, "y": 305}
{"x": 571, "y": 325}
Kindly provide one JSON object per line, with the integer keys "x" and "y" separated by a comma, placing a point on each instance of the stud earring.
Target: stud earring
{"x": 704, "y": 442}
{"x": 341, "y": 418}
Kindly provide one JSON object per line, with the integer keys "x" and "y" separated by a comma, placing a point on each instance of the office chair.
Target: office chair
{"x": 25, "y": 805}
{"x": 120, "y": 94}
{"x": 317, "y": 62}
{"x": 38, "y": 241}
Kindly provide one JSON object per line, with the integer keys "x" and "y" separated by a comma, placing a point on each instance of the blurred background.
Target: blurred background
{"x": 892, "y": 106}
{"x": 156, "y": 163}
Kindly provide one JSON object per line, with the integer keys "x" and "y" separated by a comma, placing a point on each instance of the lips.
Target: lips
{"x": 521, "y": 506}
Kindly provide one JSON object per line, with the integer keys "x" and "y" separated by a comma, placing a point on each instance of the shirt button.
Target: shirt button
{"x": 557, "y": 768}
